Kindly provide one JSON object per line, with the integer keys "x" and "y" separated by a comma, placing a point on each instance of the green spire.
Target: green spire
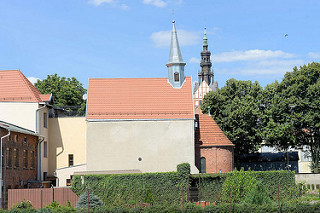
{"x": 205, "y": 39}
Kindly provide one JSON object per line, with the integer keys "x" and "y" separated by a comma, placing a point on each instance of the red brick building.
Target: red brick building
{"x": 19, "y": 161}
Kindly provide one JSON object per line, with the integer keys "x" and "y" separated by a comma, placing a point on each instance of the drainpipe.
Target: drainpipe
{"x": 39, "y": 158}
{"x": 37, "y": 110}
{"x": 1, "y": 181}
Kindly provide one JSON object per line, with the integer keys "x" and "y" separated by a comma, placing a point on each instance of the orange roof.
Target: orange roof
{"x": 139, "y": 98}
{"x": 46, "y": 97}
{"x": 15, "y": 87}
{"x": 209, "y": 133}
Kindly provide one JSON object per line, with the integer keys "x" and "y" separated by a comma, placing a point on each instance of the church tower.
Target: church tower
{"x": 205, "y": 74}
{"x": 175, "y": 63}
{"x": 205, "y": 82}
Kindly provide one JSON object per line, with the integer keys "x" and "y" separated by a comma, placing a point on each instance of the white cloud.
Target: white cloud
{"x": 250, "y": 55}
{"x": 33, "y": 80}
{"x": 157, "y": 3}
{"x": 111, "y": 2}
{"x": 99, "y": 2}
{"x": 186, "y": 38}
{"x": 314, "y": 55}
{"x": 194, "y": 60}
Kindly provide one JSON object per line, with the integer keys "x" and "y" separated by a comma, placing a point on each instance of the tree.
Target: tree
{"x": 94, "y": 201}
{"x": 293, "y": 112}
{"x": 236, "y": 109}
{"x": 67, "y": 92}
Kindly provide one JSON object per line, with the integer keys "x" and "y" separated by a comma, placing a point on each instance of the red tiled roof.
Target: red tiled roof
{"x": 46, "y": 97}
{"x": 15, "y": 87}
{"x": 139, "y": 98}
{"x": 209, "y": 133}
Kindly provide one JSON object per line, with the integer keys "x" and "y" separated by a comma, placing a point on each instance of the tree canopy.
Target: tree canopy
{"x": 67, "y": 92}
{"x": 236, "y": 109}
{"x": 292, "y": 109}
{"x": 285, "y": 114}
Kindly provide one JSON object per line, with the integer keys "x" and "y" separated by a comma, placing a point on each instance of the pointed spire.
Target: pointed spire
{"x": 175, "y": 56}
{"x": 205, "y": 39}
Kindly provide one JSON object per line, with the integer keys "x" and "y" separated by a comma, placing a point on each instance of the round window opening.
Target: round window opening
{"x": 139, "y": 159}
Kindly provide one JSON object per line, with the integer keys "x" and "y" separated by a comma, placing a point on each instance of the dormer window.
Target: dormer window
{"x": 176, "y": 76}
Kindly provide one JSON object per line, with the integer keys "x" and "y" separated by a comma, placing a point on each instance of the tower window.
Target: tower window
{"x": 176, "y": 76}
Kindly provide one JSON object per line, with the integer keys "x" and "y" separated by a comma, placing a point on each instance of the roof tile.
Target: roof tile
{"x": 139, "y": 98}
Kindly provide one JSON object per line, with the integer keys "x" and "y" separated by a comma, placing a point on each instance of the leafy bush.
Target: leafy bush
{"x": 184, "y": 169}
{"x": 55, "y": 207}
{"x": 258, "y": 195}
{"x": 148, "y": 198}
{"x": 237, "y": 185}
{"x": 25, "y": 204}
{"x": 94, "y": 201}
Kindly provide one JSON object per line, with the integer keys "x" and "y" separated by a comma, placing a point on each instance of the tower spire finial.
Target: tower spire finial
{"x": 175, "y": 63}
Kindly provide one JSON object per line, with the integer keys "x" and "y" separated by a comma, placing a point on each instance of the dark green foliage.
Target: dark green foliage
{"x": 119, "y": 190}
{"x": 148, "y": 198}
{"x": 292, "y": 111}
{"x": 184, "y": 169}
{"x": 94, "y": 201}
{"x": 258, "y": 195}
{"x": 67, "y": 92}
{"x": 55, "y": 207}
{"x": 192, "y": 208}
{"x": 236, "y": 109}
{"x": 210, "y": 185}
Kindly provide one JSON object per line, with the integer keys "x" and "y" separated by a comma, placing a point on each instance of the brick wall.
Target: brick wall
{"x": 17, "y": 174}
{"x": 218, "y": 158}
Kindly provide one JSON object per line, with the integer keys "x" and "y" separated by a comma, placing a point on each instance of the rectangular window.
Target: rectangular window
{"x": 45, "y": 149}
{"x": 25, "y": 159}
{"x": 45, "y": 176}
{"x": 25, "y": 140}
{"x": 45, "y": 120}
{"x": 16, "y": 158}
{"x": 32, "y": 163}
{"x": 9, "y": 157}
{"x": 70, "y": 160}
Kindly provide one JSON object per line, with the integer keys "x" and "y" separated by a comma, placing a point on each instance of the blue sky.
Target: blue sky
{"x": 131, "y": 38}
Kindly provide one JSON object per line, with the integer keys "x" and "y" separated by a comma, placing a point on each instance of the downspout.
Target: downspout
{"x": 1, "y": 181}
{"x": 39, "y": 158}
{"x": 37, "y": 110}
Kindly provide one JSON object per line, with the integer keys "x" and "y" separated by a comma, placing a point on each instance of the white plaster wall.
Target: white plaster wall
{"x": 19, "y": 113}
{"x": 65, "y": 173}
{"x": 162, "y": 145}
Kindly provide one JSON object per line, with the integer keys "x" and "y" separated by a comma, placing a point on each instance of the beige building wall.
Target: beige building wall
{"x": 19, "y": 113}
{"x": 67, "y": 135}
{"x": 148, "y": 146}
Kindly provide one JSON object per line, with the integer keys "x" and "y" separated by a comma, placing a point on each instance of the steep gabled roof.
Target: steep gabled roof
{"x": 15, "y": 87}
{"x": 208, "y": 133}
{"x": 139, "y": 98}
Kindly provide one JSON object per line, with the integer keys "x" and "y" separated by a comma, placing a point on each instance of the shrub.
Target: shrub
{"x": 184, "y": 169}
{"x": 237, "y": 185}
{"x": 258, "y": 195}
{"x": 25, "y": 204}
{"x": 94, "y": 201}
{"x": 148, "y": 198}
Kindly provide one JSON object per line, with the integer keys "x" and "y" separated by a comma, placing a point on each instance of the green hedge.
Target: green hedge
{"x": 216, "y": 187}
{"x": 127, "y": 189}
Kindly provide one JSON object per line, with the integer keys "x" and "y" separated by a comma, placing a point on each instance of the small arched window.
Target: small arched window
{"x": 203, "y": 165}
{"x": 176, "y": 76}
